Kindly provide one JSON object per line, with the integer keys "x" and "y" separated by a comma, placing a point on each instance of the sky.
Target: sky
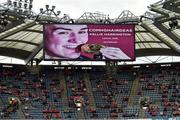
{"x": 76, "y": 8}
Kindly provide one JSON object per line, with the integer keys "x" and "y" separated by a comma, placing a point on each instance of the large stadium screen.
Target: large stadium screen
{"x": 89, "y": 42}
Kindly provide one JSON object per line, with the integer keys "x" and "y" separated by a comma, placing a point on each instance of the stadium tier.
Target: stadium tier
{"x": 90, "y": 94}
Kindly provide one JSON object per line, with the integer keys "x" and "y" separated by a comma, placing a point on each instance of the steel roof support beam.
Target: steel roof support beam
{"x": 155, "y": 52}
{"x": 164, "y": 12}
{"x": 16, "y": 29}
{"x": 167, "y": 32}
{"x": 40, "y": 59}
{"x": 170, "y": 5}
{"x": 14, "y": 52}
{"x": 20, "y": 41}
{"x": 162, "y": 19}
{"x": 161, "y": 36}
{"x": 36, "y": 31}
{"x": 28, "y": 59}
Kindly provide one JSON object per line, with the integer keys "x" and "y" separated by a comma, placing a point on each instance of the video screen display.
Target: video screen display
{"x": 89, "y": 42}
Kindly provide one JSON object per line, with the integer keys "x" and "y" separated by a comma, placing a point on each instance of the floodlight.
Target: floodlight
{"x": 53, "y": 7}
{"x": 30, "y": 1}
{"x": 41, "y": 10}
{"x": 58, "y": 12}
{"x": 47, "y": 7}
{"x": 25, "y": 6}
{"x": 30, "y": 6}
{"x": 19, "y": 4}
{"x": 15, "y": 4}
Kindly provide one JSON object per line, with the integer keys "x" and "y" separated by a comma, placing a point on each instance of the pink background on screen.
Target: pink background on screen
{"x": 125, "y": 43}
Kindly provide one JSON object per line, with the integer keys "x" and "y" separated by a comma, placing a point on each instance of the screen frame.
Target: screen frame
{"x": 120, "y": 60}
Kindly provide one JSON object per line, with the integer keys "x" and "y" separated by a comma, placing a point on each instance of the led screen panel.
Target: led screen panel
{"x": 89, "y": 42}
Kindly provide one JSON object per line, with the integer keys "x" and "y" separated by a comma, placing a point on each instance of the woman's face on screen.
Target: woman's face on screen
{"x": 63, "y": 39}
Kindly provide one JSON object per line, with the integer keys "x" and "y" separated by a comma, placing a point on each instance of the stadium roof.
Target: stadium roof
{"x": 22, "y": 36}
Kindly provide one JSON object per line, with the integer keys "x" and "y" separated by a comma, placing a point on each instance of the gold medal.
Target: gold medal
{"x": 91, "y": 48}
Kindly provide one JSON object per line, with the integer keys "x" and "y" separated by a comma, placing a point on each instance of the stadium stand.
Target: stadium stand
{"x": 29, "y": 96}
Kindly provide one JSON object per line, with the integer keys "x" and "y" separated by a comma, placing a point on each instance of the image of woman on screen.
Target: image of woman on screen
{"x": 62, "y": 41}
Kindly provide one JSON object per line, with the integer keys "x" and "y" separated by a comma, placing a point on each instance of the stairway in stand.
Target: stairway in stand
{"x": 1, "y": 102}
{"x": 64, "y": 94}
{"x": 141, "y": 113}
{"x": 20, "y": 113}
{"x": 133, "y": 93}
{"x": 89, "y": 91}
{"x": 133, "y": 99}
{"x": 80, "y": 114}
